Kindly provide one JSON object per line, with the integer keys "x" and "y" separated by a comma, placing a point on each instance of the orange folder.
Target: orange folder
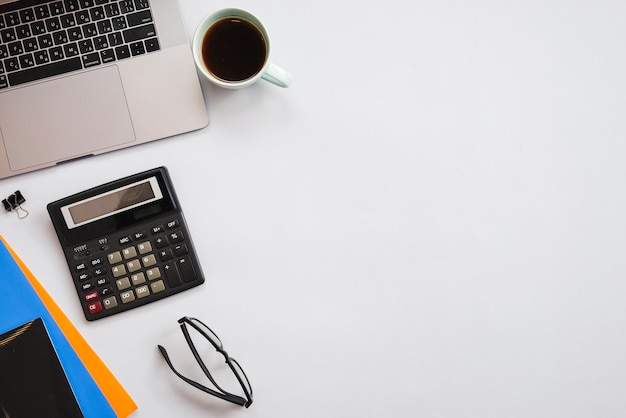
{"x": 113, "y": 391}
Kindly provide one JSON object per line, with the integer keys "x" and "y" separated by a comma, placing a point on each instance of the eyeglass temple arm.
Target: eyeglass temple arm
{"x": 228, "y": 397}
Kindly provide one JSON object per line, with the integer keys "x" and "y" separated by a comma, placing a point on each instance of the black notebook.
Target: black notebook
{"x": 32, "y": 380}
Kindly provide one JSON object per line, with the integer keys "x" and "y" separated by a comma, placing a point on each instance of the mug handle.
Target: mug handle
{"x": 276, "y": 75}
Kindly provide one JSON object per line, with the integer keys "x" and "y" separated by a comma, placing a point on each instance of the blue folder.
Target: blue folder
{"x": 19, "y": 303}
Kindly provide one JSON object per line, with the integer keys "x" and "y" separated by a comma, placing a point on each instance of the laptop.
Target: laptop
{"x": 85, "y": 77}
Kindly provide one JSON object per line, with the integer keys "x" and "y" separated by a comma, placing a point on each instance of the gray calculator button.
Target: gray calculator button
{"x": 129, "y": 252}
{"x": 149, "y": 260}
{"x": 110, "y": 302}
{"x": 127, "y": 296}
{"x": 142, "y": 292}
{"x": 133, "y": 266}
{"x": 144, "y": 248}
{"x": 157, "y": 286}
{"x": 123, "y": 283}
{"x": 118, "y": 270}
{"x": 153, "y": 273}
{"x": 138, "y": 278}
{"x": 115, "y": 258}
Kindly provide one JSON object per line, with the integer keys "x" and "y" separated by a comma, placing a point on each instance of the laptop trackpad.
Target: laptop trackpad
{"x": 82, "y": 114}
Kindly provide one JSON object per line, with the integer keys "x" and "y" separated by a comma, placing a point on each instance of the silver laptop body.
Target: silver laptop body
{"x": 122, "y": 74}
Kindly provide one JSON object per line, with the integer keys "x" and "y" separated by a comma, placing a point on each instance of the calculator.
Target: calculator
{"x": 126, "y": 243}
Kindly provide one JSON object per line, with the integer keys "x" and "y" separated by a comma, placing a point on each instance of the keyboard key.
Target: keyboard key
{"x": 42, "y": 11}
{"x": 60, "y": 37}
{"x": 97, "y": 13}
{"x": 90, "y": 60}
{"x": 53, "y": 24}
{"x": 27, "y": 15}
{"x": 45, "y": 41}
{"x": 56, "y": 53}
{"x": 71, "y": 5}
{"x": 27, "y": 60}
{"x": 12, "y": 19}
{"x": 16, "y": 48}
{"x": 85, "y": 46}
{"x": 57, "y": 8}
{"x": 4, "y": 52}
{"x": 71, "y": 50}
{"x": 112, "y": 10}
{"x": 82, "y": 17}
{"x": 139, "y": 32}
{"x": 67, "y": 20}
{"x": 22, "y": 31}
{"x": 8, "y": 35}
{"x": 38, "y": 28}
{"x": 90, "y": 30}
{"x": 107, "y": 55}
{"x": 11, "y": 64}
{"x": 152, "y": 45}
{"x": 139, "y": 18}
{"x": 48, "y": 70}
{"x": 137, "y": 48}
{"x": 30, "y": 45}
{"x": 74, "y": 34}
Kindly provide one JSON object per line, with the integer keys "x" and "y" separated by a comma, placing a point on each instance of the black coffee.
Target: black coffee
{"x": 233, "y": 49}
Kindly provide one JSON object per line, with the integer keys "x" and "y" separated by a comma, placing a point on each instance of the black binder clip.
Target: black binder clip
{"x": 14, "y": 203}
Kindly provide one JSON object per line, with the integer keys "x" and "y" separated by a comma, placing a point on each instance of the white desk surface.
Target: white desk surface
{"x": 429, "y": 223}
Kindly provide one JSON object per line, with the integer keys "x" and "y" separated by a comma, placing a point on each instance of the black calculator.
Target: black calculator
{"x": 126, "y": 243}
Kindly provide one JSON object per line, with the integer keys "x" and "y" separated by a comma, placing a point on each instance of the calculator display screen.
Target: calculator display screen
{"x": 112, "y": 202}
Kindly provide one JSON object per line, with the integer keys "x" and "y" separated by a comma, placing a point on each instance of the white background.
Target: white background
{"x": 428, "y": 223}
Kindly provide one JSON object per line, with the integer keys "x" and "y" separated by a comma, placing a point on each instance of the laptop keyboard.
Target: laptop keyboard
{"x": 58, "y": 37}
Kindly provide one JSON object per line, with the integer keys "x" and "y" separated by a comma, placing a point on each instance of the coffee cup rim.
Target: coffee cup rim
{"x": 216, "y": 16}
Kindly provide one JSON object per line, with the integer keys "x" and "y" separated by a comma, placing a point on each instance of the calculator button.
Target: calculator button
{"x": 186, "y": 269}
{"x": 144, "y": 247}
{"x": 181, "y": 250}
{"x": 123, "y": 283}
{"x": 96, "y": 262}
{"x": 91, "y": 296}
{"x": 133, "y": 266}
{"x": 157, "y": 229}
{"x": 129, "y": 252}
{"x": 118, "y": 270}
{"x": 87, "y": 286}
{"x": 142, "y": 291}
{"x": 176, "y": 237}
{"x": 140, "y": 235}
{"x": 149, "y": 260}
{"x": 100, "y": 271}
{"x": 115, "y": 257}
{"x": 172, "y": 275}
{"x": 161, "y": 242}
{"x": 138, "y": 278}
{"x": 80, "y": 267}
{"x": 95, "y": 307}
{"x": 127, "y": 296}
{"x": 166, "y": 255}
{"x": 173, "y": 224}
{"x": 110, "y": 302}
{"x": 157, "y": 286}
{"x": 84, "y": 276}
{"x": 102, "y": 281}
{"x": 125, "y": 240}
{"x": 153, "y": 274}
{"x": 106, "y": 291}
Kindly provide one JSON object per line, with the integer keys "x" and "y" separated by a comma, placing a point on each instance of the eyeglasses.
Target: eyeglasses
{"x": 207, "y": 333}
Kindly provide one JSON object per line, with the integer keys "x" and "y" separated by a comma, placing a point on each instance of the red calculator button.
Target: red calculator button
{"x": 95, "y": 307}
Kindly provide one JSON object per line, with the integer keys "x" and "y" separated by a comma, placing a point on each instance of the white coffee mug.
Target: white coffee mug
{"x": 231, "y": 48}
